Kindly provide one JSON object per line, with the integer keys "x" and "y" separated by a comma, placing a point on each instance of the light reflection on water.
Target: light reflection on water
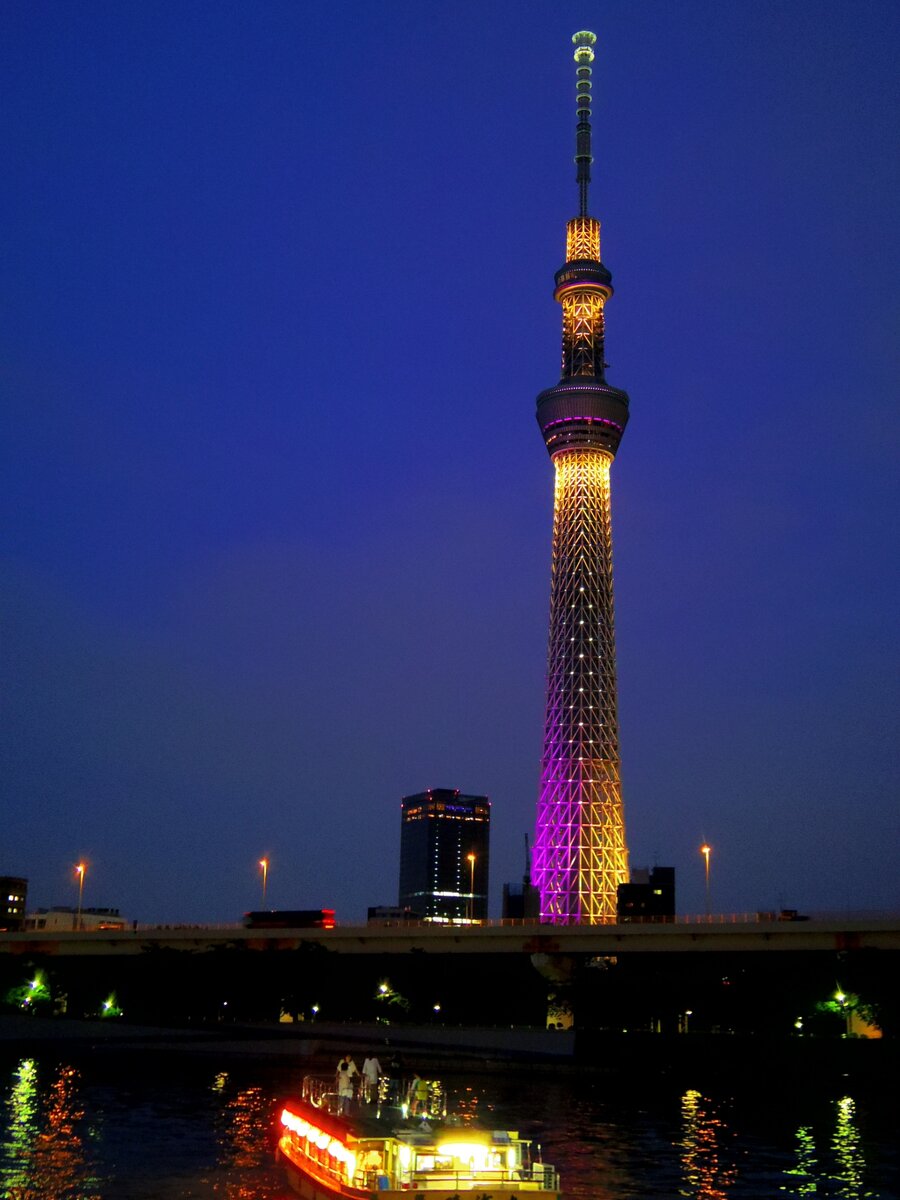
{"x": 620, "y": 1144}
{"x": 52, "y": 1149}
{"x": 806, "y": 1170}
{"x": 708, "y": 1171}
{"x": 243, "y": 1126}
{"x": 843, "y": 1175}
{"x": 135, "y": 1131}
{"x": 848, "y": 1152}
{"x": 44, "y": 1156}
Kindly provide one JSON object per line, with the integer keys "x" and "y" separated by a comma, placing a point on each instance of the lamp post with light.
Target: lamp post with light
{"x": 264, "y": 867}
{"x": 80, "y": 870}
{"x": 706, "y": 850}
{"x": 843, "y": 1001}
{"x": 471, "y": 861}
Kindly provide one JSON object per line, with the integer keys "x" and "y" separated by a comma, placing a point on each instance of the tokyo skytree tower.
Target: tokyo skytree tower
{"x": 580, "y": 855}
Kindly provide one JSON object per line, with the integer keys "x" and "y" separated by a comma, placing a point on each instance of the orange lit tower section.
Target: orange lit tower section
{"x": 580, "y": 855}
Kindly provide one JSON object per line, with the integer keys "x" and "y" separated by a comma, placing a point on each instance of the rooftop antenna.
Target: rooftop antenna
{"x": 584, "y": 55}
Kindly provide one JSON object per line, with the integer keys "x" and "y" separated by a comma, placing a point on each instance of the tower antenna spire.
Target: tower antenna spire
{"x": 584, "y": 42}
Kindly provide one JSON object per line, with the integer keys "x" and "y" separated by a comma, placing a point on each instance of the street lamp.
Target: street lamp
{"x": 80, "y": 871}
{"x": 471, "y": 859}
{"x": 264, "y": 864}
{"x": 844, "y": 1001}
{"x": 706, "y": 850}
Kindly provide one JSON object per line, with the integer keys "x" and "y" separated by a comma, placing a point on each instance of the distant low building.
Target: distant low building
{"x": 13, "y": 895}
{"x": 650, "y": 896}
{"x": 390, "y": 914}
{"x": 521, "y": 902}
{"x": 67, "y": 918}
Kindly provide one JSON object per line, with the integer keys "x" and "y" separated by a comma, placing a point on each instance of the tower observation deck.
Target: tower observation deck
{"x": 580, "y": 856}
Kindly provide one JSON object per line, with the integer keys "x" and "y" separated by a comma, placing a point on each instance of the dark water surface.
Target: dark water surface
{"x": 142, "y": 1126}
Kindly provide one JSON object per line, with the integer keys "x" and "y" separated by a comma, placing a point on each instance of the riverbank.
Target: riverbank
{"x": 304, "y": 1040}
{"x": 706, "y": 1059}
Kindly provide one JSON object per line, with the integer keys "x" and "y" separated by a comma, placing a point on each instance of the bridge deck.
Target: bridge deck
{"x": 519, "y": 938}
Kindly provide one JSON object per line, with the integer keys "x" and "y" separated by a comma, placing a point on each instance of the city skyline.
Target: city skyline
{"x": 276, "y": 305}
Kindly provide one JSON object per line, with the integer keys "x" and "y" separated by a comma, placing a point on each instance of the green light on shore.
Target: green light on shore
{"x": 109, "y": 1007}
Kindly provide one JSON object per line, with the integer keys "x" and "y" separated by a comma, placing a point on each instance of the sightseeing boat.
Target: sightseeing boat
{"x": 381, "y": 1150}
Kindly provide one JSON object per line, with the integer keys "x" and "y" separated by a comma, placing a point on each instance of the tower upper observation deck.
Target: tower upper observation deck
{"x": 582, "y": 411}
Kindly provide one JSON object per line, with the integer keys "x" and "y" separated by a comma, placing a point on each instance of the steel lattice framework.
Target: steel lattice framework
{"x": 580, "y": 855}
{"x": 582, "y": 333}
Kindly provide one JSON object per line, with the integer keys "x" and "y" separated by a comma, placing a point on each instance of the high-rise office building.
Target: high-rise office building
{"x": 580, "y": 856}
{"x": 445, "y": 855}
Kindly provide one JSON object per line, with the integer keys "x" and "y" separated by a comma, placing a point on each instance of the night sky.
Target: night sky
{"x": 276, "y": 302}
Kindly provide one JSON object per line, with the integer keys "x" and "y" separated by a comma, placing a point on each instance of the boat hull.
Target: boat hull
{"x": 308, "y": 1186}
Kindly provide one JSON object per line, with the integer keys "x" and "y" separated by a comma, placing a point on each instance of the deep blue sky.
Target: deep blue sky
{"x": 276, "y": 303}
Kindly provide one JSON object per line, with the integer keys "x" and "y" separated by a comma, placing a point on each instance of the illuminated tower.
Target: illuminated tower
{"x": 579, "y": 854}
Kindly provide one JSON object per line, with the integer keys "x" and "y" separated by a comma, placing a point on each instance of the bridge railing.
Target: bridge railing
{"x": 737, "y": 918}
{"x": 759, "y": 917}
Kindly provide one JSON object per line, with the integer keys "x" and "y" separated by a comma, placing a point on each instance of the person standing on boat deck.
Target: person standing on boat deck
{"x": 371, "y": 1073}
{"x": 346, "y": 1071}
{"x": 418, "y": 1096}
{"x": 395, "y": 1070}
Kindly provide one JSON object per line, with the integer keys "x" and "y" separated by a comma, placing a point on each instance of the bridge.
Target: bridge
{"x": 750, "y": 933}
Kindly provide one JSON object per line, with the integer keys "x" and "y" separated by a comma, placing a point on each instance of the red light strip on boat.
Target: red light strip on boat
{"x": 319, "y": 1138}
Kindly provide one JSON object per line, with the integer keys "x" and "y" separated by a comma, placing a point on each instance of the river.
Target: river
{"x": 150, "y": 1126}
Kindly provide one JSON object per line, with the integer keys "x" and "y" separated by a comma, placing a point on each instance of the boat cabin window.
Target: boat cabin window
{"x": 485, "y": 1160}
{"x": 434, "y": 1162}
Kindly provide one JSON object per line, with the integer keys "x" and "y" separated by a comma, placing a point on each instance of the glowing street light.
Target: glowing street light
{"x": 706, "y": 850}
{"x": 844, "y": 1001}
{"x": 80, "y": 870}
{"x": 264, "y": 865}
{"x": 471, "y": 860}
